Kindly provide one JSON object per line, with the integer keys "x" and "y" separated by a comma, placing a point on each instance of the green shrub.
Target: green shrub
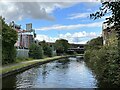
{"x": 8, "y": 54}
{"x": 9, "y": 38}
{"x": 105, "y": 63}
{"x": 87, "y": 55}
{"x": 35, "y": 51}
{"x": 47, "y": 50}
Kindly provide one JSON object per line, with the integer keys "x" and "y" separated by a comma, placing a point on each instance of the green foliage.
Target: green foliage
{"x": 113, "y": 7}
{"x": 47, "y": 49}
{"x": 35, "y": 51}
{"x": 9, "y": 38}
{"x": 21, "y": 59}
{"x": 96, "y": 42}
{"x": 111, "y": 69}
{"x": 105, "y": 63}
{"x": 61, "y": 46}
{"x": 0, "y": 40}
{"x": 8, "y": 54}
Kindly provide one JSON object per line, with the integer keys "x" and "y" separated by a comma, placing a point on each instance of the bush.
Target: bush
{"x": 105, "y": 63}
{"x": 49, "y": 51}
{"x": 46, "y": 49}
{"x": 9, "y": 38}
{"x": 87, "y": 55}
{"x": 8, "y": 56}
{"x": 35, "y": 51}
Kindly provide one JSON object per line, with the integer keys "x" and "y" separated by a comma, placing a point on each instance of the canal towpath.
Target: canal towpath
{"x": 21, "y": 66}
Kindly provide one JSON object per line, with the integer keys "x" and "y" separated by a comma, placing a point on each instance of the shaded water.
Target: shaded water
{"x": 58, "y": 74}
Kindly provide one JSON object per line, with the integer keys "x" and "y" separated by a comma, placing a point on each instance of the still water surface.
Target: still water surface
{"x": 71, "y": 74}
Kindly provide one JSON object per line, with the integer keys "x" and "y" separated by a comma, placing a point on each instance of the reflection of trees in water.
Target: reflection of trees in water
{"x": 11, "y": 82}
{"x": 62, "y": 65}
{"x": 64, "y": 61}
{"x": 44, "y": 72}
{"x": 21, "y": 80}
{"x": 27, "y": 78}
{"x": 80, "y": 60}
{"x": 54, "y": 73}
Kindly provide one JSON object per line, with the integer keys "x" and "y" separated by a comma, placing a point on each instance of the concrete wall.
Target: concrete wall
{"x": 22, "y": 53}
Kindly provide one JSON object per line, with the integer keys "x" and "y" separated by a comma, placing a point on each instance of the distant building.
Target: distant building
{"x": 105, "y": 32}
{"x": 24, "y": 40}
{"x": 72, "y": 45}
{"x": 109, "y": 34}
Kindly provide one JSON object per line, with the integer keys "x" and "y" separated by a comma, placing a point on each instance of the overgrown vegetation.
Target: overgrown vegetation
{"x": 35, "y": 51}
{"x": 9, "y": 38}
{"x": 95, "y": 43}
{"x": 104, "y": 61}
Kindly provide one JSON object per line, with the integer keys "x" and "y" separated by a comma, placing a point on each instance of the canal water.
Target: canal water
{"x": 65, "y": 73}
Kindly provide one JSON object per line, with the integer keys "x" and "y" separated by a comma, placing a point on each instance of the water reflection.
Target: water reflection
{"x": 7, "y": 82}
{"x": 65, "y": 73}
{"x": 44, "y": 73}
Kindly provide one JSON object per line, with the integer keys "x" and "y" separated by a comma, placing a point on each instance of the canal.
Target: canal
{"x": 70, "y": 72}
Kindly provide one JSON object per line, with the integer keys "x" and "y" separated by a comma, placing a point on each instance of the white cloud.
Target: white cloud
{"x": 77, "y": 37}
{"x": 70, "y": 27}
{"x": 82, "y": 34}
{"x": 78, "y": 15}
{"x": 36, "y": 10}
{"x": 17, "y": 11}
{"x": 41, "y": 37}
{"x": 52, "y": 0}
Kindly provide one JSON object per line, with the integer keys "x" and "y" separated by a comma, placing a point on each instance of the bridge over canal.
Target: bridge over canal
{"x": 79, "y": 48}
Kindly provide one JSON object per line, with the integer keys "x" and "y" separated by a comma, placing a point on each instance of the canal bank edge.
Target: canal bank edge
{"x": 29, "y": 64}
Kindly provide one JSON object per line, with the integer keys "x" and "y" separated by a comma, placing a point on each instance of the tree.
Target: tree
{"x": 49, "y": 51}
{"x": 96, "y": 42}
{"x": 109, "y": 68}
{"x": 35, "y": 51}
{"x": 9, "y": 38}
{"x": 46, "y": 48}
{"x": 61, "y": 46}
{"x": 114, "y": 9}
{"x": 109, "y": 7}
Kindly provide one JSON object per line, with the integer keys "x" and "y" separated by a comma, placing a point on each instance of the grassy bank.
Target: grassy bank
{"x": 20, "y": 65}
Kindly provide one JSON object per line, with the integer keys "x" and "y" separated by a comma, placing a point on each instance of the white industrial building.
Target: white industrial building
{"x": 24, "y": 40}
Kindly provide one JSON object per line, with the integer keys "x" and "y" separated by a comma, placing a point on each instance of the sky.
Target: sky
{"x": 56, "y": 20}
